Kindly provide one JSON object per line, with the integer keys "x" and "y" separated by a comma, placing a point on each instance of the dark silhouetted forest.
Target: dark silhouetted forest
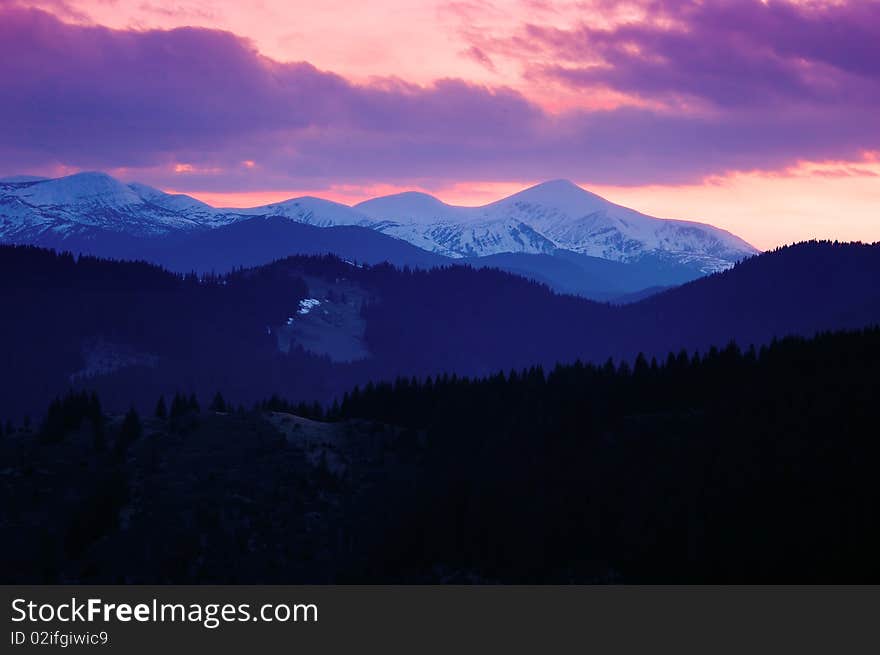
{"x": 752, "y": 466}
{"x": 727, "y": 467}
{"x": 132, "y": 331}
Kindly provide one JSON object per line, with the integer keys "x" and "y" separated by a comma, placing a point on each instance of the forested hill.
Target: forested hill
{"x": 133, "y": 331}
{"x": 798, "y": 289}
{"x": 731, "y": 467}
{"x": 754, "y": 466}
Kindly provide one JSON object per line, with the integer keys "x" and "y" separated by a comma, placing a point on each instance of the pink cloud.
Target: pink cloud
{"x": 88, "y": 96}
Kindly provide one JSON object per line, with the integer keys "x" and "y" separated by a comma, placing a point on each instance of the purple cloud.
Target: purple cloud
{"x": 92, "y": 97}
{"x": 727, "y": 53}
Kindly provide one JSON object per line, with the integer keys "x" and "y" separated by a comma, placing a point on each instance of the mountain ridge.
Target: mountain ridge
{"x": 131, "y": 330}
{"x": 554, "y": 215}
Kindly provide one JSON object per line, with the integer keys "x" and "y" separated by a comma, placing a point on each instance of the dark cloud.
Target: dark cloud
{"x": 92, "y": 97}
{"x": 727, "y": 53}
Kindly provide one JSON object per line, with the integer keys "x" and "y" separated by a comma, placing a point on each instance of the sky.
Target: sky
{"x": 759, "y": 116}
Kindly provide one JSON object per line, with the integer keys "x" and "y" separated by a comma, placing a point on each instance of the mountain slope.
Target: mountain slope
{"x": 590, "y": 277}
{"x": 257, "y": 241}
{"x": 800, "y": 289}
{"x": 308, "y": 210}
{"x": 554, "y": 215}
{"x": 134, "y": 331}
{"x": 66, "y": 206}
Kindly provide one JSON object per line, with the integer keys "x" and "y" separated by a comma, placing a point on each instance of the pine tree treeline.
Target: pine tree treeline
{"x": 314, "y": 410}
{"x": 161, "y": 411}
{"x": 68, "y": 413}
{"x": 729, "y": 466}
{"x": 735, "y": 465}
{"x": 181, "y": 405}
{"x": 130, "y": 431}
{"x": 681, "y": 381}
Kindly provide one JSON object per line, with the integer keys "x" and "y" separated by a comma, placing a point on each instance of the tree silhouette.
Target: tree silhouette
{"x": 161, "y": 410}
{"x": 218, "y": 404}
{"x": 129, "y": 432}
{"x": 179, "y": 406}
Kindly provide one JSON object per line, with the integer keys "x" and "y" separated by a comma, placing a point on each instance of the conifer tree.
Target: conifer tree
{"x": 178, "y": 406}
{"x": 99, "y": 438}
{"x": 130, "y": 431}
{"x": 218, "y": 404}
{"x": 161, "y": 410}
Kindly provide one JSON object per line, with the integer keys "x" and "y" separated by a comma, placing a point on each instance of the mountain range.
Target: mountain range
{"x": 556, "y": 232}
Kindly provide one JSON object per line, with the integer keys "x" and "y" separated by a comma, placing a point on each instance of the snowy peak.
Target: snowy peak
{"x": 410, "y": 207}
{"x": 94, "y": 189}
{"x": 310, "y": 210}
{"x": 557, "y": 193}
{"x": 76, "y": 203}
{"x": 562, "y": 200}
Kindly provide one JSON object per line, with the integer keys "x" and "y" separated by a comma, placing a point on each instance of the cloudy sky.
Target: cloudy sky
{"x": 758, "y": 116}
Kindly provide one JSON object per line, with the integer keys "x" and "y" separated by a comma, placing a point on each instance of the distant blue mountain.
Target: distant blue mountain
{"x": 592, "y": 277}
{"x": 258, "y": 241}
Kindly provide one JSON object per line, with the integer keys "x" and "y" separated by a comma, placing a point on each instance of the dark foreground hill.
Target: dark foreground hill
{"x": 311, "y": 327}
{"x": 732, "y": 467}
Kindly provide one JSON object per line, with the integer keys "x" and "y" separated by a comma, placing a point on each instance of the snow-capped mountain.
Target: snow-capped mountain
{"x": 543, "y": 219}
{"x": 413, "y": 207}
{"x": 550, "y": 216}
{"x": 308, "y": 210}
{"x": 30, "y": 210}
{"x": 35, "y": 208}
